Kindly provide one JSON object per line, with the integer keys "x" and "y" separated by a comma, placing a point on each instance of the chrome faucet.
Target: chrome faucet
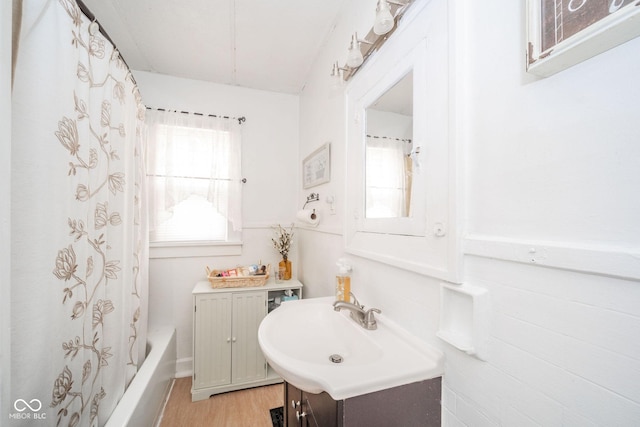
{"x": 355, "y": 300}
{"x": 364, "y": 318}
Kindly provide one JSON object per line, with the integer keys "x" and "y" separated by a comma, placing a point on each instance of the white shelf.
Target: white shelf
{"x": 464, "y": 318}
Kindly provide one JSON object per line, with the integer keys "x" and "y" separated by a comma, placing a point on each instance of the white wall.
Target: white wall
{"x": 550, "y": 177}
{"x": 552, "y": 226}
{"x": 269, "y": 163}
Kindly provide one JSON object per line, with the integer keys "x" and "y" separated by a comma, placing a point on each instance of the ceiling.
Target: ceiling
{"x": 260, "y": 44}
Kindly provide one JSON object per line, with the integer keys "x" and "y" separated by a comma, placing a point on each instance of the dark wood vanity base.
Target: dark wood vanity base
{"x": 416, "y": 404}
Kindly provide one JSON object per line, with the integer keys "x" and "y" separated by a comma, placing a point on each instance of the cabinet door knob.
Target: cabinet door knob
{"x": 295, "y": 404}
{"x": 228, "y": 339}
{"x": 300, "y": 415}
{"x": 233, "y": 339}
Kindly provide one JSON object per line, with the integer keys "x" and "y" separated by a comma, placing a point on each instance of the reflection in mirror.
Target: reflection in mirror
{"x": 389, "y": 166}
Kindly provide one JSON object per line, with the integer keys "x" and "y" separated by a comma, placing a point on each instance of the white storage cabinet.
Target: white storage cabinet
{"x": 226, "y": 353}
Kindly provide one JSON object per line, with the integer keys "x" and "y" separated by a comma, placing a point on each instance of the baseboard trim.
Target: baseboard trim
{"x": 184, "y": 367}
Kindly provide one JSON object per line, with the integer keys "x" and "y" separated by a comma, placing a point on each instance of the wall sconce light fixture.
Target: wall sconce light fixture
{"x": 388, "y": 13}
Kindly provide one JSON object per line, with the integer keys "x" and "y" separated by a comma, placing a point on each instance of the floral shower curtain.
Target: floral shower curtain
{"x": 79, "y": 239}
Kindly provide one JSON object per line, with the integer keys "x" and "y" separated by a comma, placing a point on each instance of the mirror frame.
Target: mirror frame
{"x": 427, "y": 242}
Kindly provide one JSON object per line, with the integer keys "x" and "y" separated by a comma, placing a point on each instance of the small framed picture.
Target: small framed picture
{"x": 562, "y": 33}
{"x": 316, "y": 167}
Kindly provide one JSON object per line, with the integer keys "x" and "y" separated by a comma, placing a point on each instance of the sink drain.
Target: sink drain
{"x": 336, "y": 358}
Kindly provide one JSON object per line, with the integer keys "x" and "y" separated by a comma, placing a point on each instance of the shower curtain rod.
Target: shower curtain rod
{"x": 83, "y": 7}
{"x": 239, "y": 119}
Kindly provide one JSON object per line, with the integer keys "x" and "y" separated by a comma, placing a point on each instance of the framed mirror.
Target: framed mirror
{"x": 398, "y": 155}
{"x": 386, "y": 144}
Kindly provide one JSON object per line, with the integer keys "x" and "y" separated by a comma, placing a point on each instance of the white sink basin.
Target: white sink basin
{"x": 299, "y": 337}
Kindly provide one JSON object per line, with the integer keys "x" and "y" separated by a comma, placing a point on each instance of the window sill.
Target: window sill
{"x": 193, "y": 249}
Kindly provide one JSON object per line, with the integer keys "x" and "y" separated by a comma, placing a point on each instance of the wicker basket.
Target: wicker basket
{"x": 236, "y": 281}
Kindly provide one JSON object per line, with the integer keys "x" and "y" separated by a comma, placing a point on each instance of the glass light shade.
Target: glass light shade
{"x": 336, "y": 77}
{"x": 384, "y": 20}
{"x": 354, "y": 57}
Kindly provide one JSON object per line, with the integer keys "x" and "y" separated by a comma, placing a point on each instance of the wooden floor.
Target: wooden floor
{"x": 235, "y": 409}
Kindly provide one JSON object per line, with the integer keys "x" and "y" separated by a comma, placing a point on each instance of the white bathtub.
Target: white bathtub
{"x": 143, "y": 401}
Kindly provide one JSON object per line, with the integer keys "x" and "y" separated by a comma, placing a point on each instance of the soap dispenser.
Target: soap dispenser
{"x": 343, "y": 281}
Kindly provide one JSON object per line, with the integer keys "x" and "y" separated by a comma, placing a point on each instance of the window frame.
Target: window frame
{"x": 158, "y": 249}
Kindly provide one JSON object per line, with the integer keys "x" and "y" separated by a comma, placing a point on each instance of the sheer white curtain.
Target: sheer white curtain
{"x": 78, "y": 228}
{"x": 194, "y": 170}
{"x": 387, "y": 178}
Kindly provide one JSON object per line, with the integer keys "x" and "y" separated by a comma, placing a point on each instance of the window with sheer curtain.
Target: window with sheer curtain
{"x": 388, "y": 180}
{"x": 194, "y": 176}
